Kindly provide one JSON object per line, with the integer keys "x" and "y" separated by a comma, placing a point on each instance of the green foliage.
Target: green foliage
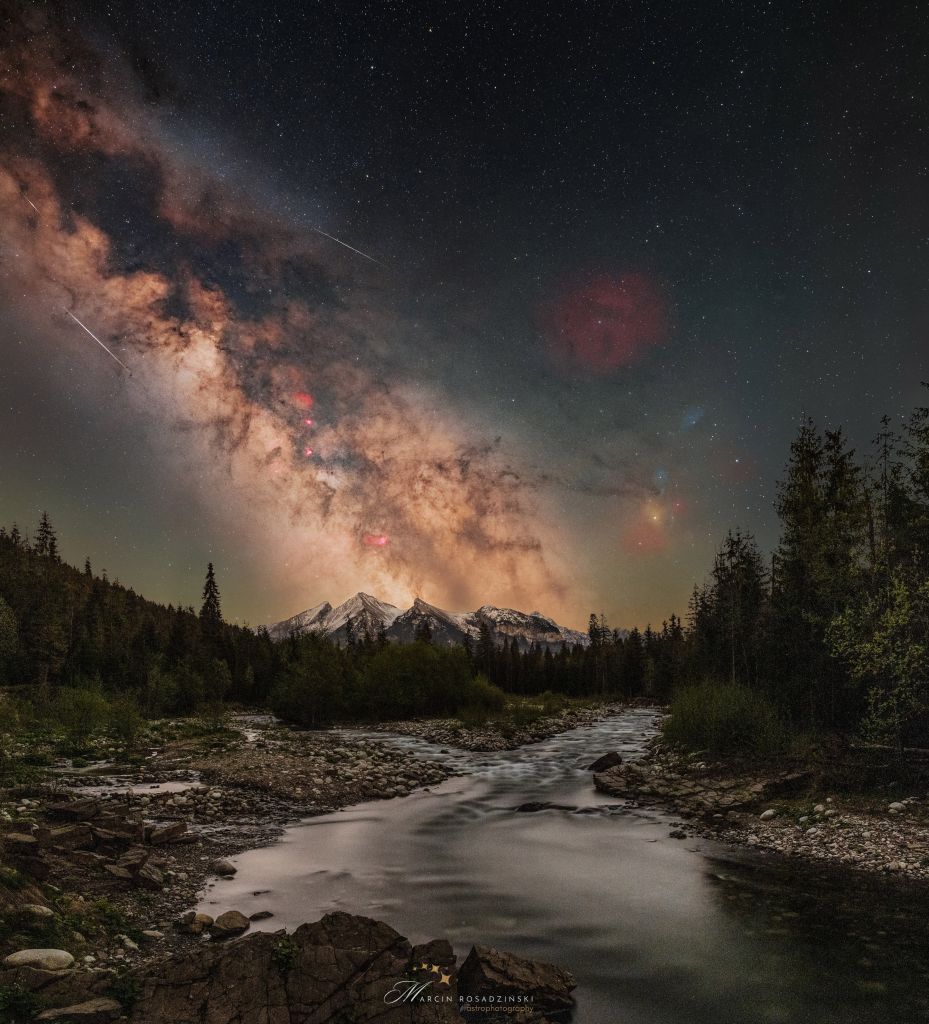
{"x": 124, "y": 988}
{"x": 284, "y": 954}
{"x": 9, "y": 632}
{"x": 81, "y": 713}
{"x": 884, "y": 640}
{"x": 17, "y": 1004}
{"x": 725, "y": 720}
{"x": 124, "y": 720}
{"x": 11, "y": 879}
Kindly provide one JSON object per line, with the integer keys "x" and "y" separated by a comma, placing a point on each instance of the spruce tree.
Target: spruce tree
{"x": 211, "y": 614}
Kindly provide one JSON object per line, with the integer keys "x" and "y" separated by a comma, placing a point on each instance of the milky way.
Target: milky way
{"x": 456, "y": 301}
{"x": 235, "y": 328}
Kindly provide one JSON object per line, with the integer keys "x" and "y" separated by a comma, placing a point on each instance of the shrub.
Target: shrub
{"x": 125, "y": 720}
{"x": 17, "y": 1004}
{"x": 723, "y": 720}
{"x": 553, "y": 703}
{"x": 81, "y": 714}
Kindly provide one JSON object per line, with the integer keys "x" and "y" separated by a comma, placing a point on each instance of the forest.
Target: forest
{"x": 830, "y": 633}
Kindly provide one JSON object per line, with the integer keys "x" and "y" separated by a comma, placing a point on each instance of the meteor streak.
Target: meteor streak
{"x": 319, "y": 231}
{"x": 30, "y": 202}
{"x": 99, "y": 342}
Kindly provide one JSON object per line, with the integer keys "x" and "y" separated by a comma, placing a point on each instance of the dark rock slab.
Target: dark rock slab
{"x": 609, "y": 760}
{"x": 543, "y": 989}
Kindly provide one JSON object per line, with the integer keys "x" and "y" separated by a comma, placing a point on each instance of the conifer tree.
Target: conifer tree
{"x": 210, "y": 611}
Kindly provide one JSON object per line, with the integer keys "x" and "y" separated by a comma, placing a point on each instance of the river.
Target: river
{"x": 656, "y": 930}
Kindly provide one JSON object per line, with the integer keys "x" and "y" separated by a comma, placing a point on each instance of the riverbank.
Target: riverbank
{"x": 101, "y": 859}
{"x": 103, "y": 856}
{"x": 521, "y": 725}
{"x": 810, "y": 811}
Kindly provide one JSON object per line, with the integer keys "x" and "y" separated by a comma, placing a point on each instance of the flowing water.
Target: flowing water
{"x": 656, "y": 930}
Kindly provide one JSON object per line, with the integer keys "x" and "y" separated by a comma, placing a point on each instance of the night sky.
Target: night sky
{"x": 608, "y": 255}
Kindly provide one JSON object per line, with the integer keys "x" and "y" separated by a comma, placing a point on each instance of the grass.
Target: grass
{"x": 726, "y": 720}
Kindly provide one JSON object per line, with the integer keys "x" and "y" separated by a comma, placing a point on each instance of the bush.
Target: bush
{"x": 553, "y": 703}
{"x": 723, "y": 720}
{"x": 478, "y": 701}
{"x": 81, "y": 714}
{"x": 125, "y": 720}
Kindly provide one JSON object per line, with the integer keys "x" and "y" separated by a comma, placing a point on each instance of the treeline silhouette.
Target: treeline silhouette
{"x": 831, "y": 632}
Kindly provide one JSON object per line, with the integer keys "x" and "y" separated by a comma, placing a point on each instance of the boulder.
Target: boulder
{"x": 44, "y": 959}
{"x": 223, "y": 867}
{"x": 192, "y": 923}
{"x": 75, "y": 810}
{"x": 150, "y": 877}
{"x": 487, "y": 972}
{"x": 94, "y": 1011}
{"x": 18, "y": 844}
{"x": 339, "y": 968}
{"x": 71, "y": 837}
{"x": 609, "y": 760}
{"x": 230, "y": 924}
{"x": 168, "y": 833}
{"x": 119, "y": 873}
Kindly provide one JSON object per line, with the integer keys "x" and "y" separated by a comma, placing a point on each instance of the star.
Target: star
{"x": 436, "y": 969}
{"x": 446, "y": 979}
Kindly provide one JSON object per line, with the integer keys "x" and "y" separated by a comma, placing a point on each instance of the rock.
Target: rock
{"x": 679, "y": 833}
{"x": 339, "y": 968}
{"x": 229, "y": 924}
{"x": 75, "y": 810}
{"x": 18, "y": 844}
{"x": 488, "y": 972}
{"x": 260, "y": 915}
{"x": 192, "y": 923}
{"x": 896, "y": 807}
{"x": 168, "y": 833}
{"x": 768, "y": 814}
{"x": 223, "y": 867}
{"x": 609, "y": 760}
{"x": 121, "y": 874}
{"x": 71, "y": 837}
{"x": 44, "y": 959}
{"x": 150, "y": 877}
{"x": 819, "y": 808}
{"x": 94, "y": 1011}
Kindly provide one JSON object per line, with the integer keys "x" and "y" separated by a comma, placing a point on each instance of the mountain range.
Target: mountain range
{"x": 368, "y": 614}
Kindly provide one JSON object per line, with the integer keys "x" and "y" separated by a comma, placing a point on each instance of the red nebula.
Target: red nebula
{"x": 308, "y": 452}
{"x": 606, "y": 323}
{"x": 375, "y": 540}
{"x": 303, "y": 399}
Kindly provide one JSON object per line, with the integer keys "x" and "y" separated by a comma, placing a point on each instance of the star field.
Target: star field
{"x": 621, "y": 251}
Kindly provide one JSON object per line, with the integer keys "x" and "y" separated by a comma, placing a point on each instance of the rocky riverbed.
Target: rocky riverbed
{"x": 341, "y": 968}
{"x": 104, "y": 860}
{"x": 795, "y": 812}
{"x": 503, "y": 734}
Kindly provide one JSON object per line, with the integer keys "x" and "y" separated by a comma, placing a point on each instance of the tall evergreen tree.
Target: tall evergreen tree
{"x": 210, "y": 611}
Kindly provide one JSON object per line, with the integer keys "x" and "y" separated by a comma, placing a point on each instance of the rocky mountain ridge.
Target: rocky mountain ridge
{"x": 370, "y": 615}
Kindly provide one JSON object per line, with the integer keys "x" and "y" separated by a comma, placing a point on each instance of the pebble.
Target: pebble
{"x": 768, "y": 814}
